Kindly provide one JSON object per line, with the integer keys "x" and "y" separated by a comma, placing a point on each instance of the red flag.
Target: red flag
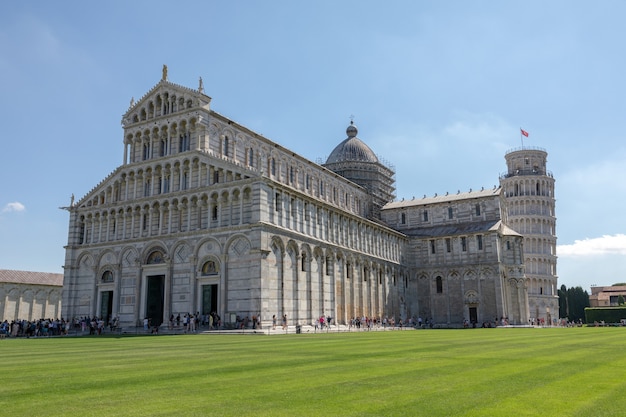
{"x": 525, "y": 133}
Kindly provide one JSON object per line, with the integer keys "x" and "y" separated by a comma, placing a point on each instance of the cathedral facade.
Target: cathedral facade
{"x": 205, "y": 215}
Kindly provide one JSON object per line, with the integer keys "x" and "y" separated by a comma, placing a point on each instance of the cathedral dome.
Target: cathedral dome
{"x": 352, "y": 149}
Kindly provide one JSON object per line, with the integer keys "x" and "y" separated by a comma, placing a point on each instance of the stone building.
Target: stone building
{"x": 206, "y": 215}
{"x": 607, "y": 296}
{"x": 26, "y": 295}
{"x": 465, "y": 262}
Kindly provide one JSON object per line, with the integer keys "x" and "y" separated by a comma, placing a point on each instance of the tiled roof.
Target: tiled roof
{"x": 447, "y": 198}
{"x": 461, "y": 229}
{"x": 453, "y": 229}
{"x": 32, "y": 278}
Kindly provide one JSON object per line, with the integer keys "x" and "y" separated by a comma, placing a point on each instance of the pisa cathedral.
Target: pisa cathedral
{"x": 205, "y": 215}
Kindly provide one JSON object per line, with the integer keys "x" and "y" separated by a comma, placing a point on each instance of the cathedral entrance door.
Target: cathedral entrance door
{"x": 209, "y": 299}
{"x": 106, "y": 305}
{"x": 154, "y": 299}
{"x": 473, "y": 315}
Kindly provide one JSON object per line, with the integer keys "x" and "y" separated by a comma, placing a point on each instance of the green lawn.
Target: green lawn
{"x": 473, "y": 372}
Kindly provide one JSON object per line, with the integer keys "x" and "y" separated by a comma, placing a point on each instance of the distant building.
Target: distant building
{"x": 606, "y": 296}
{"x": 26, "y": 295}
{"x": 205, "y": 215}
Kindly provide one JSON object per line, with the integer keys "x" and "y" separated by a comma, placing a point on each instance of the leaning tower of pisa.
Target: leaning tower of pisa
{"x": 528, "y": 189}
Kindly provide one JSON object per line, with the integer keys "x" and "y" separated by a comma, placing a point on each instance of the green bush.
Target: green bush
{"x": 606, "y": 314}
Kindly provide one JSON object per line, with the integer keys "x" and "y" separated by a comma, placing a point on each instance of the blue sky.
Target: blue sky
{"x": 438, "y": 89}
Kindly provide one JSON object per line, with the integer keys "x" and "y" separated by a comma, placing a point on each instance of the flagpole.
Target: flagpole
{"x": 521, "y": 136}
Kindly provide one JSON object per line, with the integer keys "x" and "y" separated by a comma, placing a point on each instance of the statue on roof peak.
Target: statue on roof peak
{"x": 164, "y": 78}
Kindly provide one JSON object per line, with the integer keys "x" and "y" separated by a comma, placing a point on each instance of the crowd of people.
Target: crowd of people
{"x": 35, "y": 328}
{"x": 58, "y": 327}
{"x": 191, "y": 322}
{"x": 369, "y": 323}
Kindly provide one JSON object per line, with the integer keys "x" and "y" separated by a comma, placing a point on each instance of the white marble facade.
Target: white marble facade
{"x": 206, "y": 215}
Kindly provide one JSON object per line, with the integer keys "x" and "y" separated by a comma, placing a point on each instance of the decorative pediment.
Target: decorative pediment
{"x": 471, "y": 297}
{"x": 164, "y": 100}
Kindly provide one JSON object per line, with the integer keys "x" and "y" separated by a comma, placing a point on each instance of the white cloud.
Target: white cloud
{"x": 16, "y": 206}
{"x": 605, "y": 245}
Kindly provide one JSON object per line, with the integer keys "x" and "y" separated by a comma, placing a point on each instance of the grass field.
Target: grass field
{"x": 474, "y": 372}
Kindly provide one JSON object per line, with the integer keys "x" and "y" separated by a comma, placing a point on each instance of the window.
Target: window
{"x": 146, "y": 188}
{"x": 251, "y": 157}
{"x": 328, "y": 265}
{"x": 209, "y": 268}
{"x": 291, "y": 175}
{"x": 185, "y": 182}
{"x": 348, "y": 270}
{"x": 450, "y": 212}
{"x": 448, "y": 244}
{"x": 107, "y": 276}
{"x": 273, "y": 166}
{"x": 307, "y": 181}
{"x": 294, "y": 207}
{"x": 214, "y": 214}
{"x": 425, "y": 214}
{"x": 479, "y": 242}
{"x": 81, "y": 238}
{"x": 277, "y": 202}
{"x": 183, "y": 142}
{"x": 478, "y": 209}
{"x": 216, "y": 176}
{"x": 155, "y": 257}
{"x": 439, "y": 282}
{"x": 508, "y": 245}
{"x": 303, "y": 261}
{"x": 403, "y": 218}
{"x": 432, "y": 246}
{"x": 225, "y": 153}
{"x": 463, "y": 243}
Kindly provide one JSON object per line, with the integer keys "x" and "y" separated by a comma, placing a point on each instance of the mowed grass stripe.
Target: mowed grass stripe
{"x": 464, "y": 372}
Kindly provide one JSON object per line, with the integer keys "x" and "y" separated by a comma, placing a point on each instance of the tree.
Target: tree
{"x": 572, "y": 303}
{"x": 577, "y": 300}
{"x": 562, "y": 293}
{"x": 620, "y": 300}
